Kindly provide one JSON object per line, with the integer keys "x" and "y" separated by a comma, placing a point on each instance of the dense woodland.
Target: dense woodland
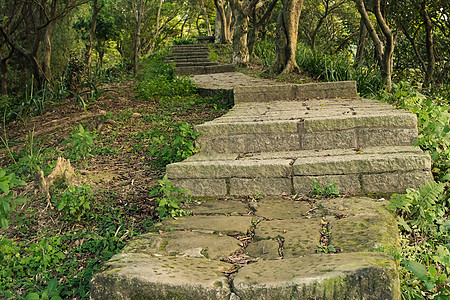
{"x": 67, "y": 65}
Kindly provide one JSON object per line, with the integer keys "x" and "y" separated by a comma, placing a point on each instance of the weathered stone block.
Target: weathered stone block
{"x": 140, "y": 276}
{"x": 236, "y": 128}
{"x": 345, "y": 183}
{"x": 183, "y": 243}
{"x": 300, "y": 236}
{"x": 273, "y": 207}
{"x": 224, "y": 169}
{"x": 202, "y": 187}
{"x": 359, "y": 275}
{"x": 364, "y": 232}
{"x": 263, "y": 93}
{"x": 260, "y": 185}
{"x": 249, "y": 143}
{"x": 328, "y": 140}
{"x": 396, "y": 182}
{"x": 209, "y": 224}
{"x": 361, "y": 164}
{"x": 386, "y": 137}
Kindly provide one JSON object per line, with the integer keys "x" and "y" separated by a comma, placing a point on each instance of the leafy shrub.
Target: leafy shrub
{"x": 8, "y": 200}
{"x": 80, "y": 144}
{"x": 74, "y": 201}
{"x": 179, "y": 144}
{"x": 433, "y": 124}
{"x": 169, "y": 199}
{"x": 183, "y": 41}
{"x": 159, "y": 80}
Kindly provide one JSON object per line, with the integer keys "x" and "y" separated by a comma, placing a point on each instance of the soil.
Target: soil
{"x": 124, "y": 177}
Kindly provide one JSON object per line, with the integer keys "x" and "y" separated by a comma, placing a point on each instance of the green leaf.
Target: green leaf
{"x": 4, "y": 186}
{"x": 417, "y": 268}
{"x": 32, "y": 296}
{"x": 432, "y": 270}
{"x": 3, "y": 222}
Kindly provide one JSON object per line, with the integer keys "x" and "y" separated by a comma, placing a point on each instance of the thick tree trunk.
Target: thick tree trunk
{"x": 137, "y": 44}
{"x": 361, "y": 44}
{"x": 287, "y": 31}
{"x": 431, "y": 59}
{"x": 241, "y": 55}
{"x": 47, "y": 50}
{"x": 223, "y": 16}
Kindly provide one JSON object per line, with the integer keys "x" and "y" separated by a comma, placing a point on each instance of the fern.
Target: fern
{"x": 420, "y": 208}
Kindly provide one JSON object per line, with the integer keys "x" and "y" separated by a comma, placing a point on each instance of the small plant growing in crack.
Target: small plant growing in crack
{"x": 324, "y": 245}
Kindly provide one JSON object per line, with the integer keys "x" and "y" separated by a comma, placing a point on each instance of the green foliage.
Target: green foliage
{"x": 169, "y": 199}
{"x": 51, "y": 292}
{"x": 330, "y": 191}
{"x": 265, "y": 50}
{"x": 433, "y": 120}
{"x": 423, "y": 219}
{"x": 338, "y": 67}
{"x": 159, "y": 80}
{"x": 80, "y": 144}
{"x": 183, "y": 41}
{"x": 423, "y": 209}
{"x": 8, "y": 200}
{"x": 174, "y": 146}
{"x": 75, "y": 201}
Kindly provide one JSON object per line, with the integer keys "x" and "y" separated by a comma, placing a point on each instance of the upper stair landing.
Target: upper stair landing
{"x": 194, "y": 60}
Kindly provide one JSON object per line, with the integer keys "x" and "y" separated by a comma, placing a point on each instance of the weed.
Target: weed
{"x": 81, "y": 144}
{"x": 178, "y": 145}
{"x": 330, "y": 191}
{"x": 169, "y": 199}
{"x": 8, "y": 200}
{"x": 74, "y": 201}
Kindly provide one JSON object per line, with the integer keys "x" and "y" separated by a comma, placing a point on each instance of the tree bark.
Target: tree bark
{"x": 383, "y": 53}
{"x": 259, "y": 25}
{"x": 205, "y": 13}
{"x": 431, "y": 59}
{"x": 223, "y": 31}
{"x": 89, "y": 44}
{"x": 286, "y": 42}
{"x": 137, "y": 44}
{"x": 241, "y": 55}
{"x": 4, "y": 71}
{"x": 361, "y": 44}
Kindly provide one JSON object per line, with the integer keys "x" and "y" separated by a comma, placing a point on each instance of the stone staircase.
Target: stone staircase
{"x": 276, "y": 142}
{"x": 194, "y": 60}
{"x": 283, "y": 138}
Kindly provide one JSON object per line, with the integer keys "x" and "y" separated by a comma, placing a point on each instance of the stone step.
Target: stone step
{"x": 358, "y": 171}
{"x": 195, "y": 63}
{"x": 188, "y": 60}
{"x": 307, "y": 124}
{"x": 223, "y": 253}
{"x": 193, "y": 48}
{"x": 196, "y": 70}
{"x": 188, "y": 55}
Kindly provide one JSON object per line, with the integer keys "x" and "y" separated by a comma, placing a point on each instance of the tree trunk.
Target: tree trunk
{"x": 223, "y": 16}
{"x": 47, "y": 50}
{"x": 4, "y": 72}
{"x": 241, "y": 55}
{"x": 137, "y": 44}
{"x": 361, "y": 44}
{"x": 286, "y": 43}
{"x": 89, "y": 44}
{"x": 259, "y": 25}
{"x": 384, "y": 53}
{"x": 431, "y": 59}
{"x": 205, "y": 13}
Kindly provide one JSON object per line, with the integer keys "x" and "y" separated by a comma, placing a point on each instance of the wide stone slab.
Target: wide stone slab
{"x": 300, "y": 236}
{"x": 209, "y": 224}
{"x": 141, "y": 276}
{"x": 280, "y": 208}
{"x": 219, "y": 207}
{"x": 184, "y": 243}
{"x": 360, "y": 275}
